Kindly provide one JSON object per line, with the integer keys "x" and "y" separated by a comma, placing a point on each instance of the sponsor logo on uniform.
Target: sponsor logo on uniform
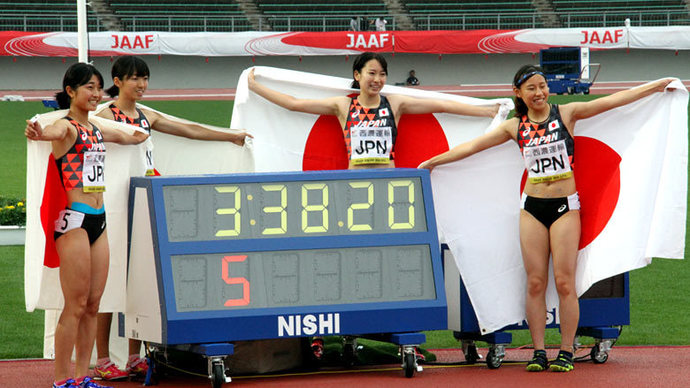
{"x": 355, "y": 114}
{"x": 562, "y": 208}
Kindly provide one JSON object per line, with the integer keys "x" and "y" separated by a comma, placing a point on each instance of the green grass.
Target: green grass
{"x": 658, "y": 292}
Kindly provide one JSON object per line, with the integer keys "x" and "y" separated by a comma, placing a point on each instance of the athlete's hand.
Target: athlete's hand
{"x": 494, "y": 110}
{"x": 662, "y": 85}
{"x": 241, "y": 136}
{"x": 250, "y": 79}
{"x": 427, "y": 165}
{"x": 33, "y": 130}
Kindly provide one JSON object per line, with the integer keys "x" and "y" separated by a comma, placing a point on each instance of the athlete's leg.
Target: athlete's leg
{"x": 534, "y": 244}
{"x": 103, "y": 334}
{"x": 74, "y": 251}
{"x": 87, "y": 327}
{"x": 565, "y": 237}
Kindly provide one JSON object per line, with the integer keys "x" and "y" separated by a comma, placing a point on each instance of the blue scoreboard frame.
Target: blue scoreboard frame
{"x": 181, "y": 257}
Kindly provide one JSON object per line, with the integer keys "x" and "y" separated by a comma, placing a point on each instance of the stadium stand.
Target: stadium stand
{"x": 334, "y": 15}
{"x": 578, "y": 13}
{"x": 40, "y": 15}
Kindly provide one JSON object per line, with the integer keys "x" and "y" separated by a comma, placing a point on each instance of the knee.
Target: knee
{"x": 565, "y": 285}
{"x": 536, "y": 286}
{"x": 92, "y": 306}
{"x": 77, "y": 306}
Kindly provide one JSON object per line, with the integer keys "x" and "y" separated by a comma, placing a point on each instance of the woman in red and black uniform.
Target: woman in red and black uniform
{"x": 131, "y": 79}
{"x": 80, "y": 230}
{"x": 550, "y": 215}
{"x": 369, "y": 120}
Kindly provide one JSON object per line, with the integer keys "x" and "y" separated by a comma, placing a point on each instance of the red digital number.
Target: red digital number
{"x": 244, "y": 300}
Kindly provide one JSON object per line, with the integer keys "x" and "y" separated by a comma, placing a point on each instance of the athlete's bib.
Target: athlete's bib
{"x": 371, "y": 145}
{"x": 68, "y": 219}
{"x": 150, "y": 171}
{"x": 547, "y": 162}
{"x": 93, "y": 176}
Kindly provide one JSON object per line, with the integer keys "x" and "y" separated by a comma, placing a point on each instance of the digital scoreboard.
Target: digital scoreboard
{"x": 222, "y": 258}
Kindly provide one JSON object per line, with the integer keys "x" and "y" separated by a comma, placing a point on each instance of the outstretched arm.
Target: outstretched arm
{"x": 120, "y": 137}
{"x": 583, "y": 110}
{"x": 412, "y": 105}
{"x": 498, "y": 135}
{"x": 193, "y": 131}
{"x": 56, "y": 131}
{"x": 326, "y": 106}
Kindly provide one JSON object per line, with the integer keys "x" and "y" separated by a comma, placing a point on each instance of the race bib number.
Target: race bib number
{"x": 547, "y": 162}
{"x": 150, "y": 171}
{"x": 371, "y": 145}
{"x": 93, "y": 175}
{"x": 68, "y": 219}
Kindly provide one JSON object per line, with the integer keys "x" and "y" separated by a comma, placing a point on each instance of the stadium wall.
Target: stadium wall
{"x": 186, "y": 72}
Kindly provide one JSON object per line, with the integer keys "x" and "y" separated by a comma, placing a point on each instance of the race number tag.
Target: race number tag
{"x": 68, "y": 219}
{"x": 547, "y": 162}
{"x": 93, "y": 176}
{"x": 371, "y": 145}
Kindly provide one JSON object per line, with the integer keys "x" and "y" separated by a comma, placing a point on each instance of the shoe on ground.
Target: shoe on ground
{"x": 317, "y": 348}
{"x": 109, "y": 372}
{"x": 562, "y": 363}
{"x": 539, "y": 362}
{"x": 87, "y": 382}
{"x": 65, "y": 384}
{"x": 137, "y": 367}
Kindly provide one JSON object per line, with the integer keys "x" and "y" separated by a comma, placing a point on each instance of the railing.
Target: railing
{"x": 448, "y": 21}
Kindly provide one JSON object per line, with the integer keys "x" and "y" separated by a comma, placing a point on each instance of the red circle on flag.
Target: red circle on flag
{"x": 419, "y": 138}
{"x": 598, "y": 179}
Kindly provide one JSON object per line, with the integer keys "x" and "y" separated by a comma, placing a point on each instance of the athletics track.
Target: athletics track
{"x": 629, "y": 367}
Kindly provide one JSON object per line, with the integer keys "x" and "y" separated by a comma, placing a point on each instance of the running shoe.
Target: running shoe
{"x": 87, "y": 382}
{"x": 137, "y": 367}
{"x": 109, "y": 371}
{"x": 317, "y": 348}
{"x": 539, "y": 361}
{"x": 562, "y": 363}
{"x": 66, "y": 384}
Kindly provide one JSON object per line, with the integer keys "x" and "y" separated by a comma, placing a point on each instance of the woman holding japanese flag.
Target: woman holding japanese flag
{"x": 369, "y": 120}
{"x": 549, "y": 215}
{"x": 80, "y": 229}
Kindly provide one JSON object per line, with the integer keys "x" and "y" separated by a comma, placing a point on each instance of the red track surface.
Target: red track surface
{"x": 493, "y": 90}
{"x": 629, "y": 367}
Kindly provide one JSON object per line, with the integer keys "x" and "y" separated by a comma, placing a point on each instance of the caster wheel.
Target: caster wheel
{"x": 598, "y": 356}
{"x": 493, "y": 361}
{"x": 409, "y": 364}
{"x": 349, "y": 356}
{"x": 218, "y": 376}
{"x": 471, "y": 355}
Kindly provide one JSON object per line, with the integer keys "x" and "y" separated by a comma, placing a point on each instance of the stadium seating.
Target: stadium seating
{"x": 332, "y": 15}
{"x": 592, "y": 13}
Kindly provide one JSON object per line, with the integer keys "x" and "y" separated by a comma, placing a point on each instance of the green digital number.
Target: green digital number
{"x": 277, "y": 209}
{"x": 409, "y": 224}
{"x": 322, "y": 207}
{"x": 360, "y": 206}
{"x": 233, "y": 211}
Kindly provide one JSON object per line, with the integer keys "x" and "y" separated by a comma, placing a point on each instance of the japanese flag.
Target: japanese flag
{"x": 293, "y": 141}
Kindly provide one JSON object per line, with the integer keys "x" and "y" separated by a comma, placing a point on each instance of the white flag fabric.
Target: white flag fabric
{"x": 631, "y": 174}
